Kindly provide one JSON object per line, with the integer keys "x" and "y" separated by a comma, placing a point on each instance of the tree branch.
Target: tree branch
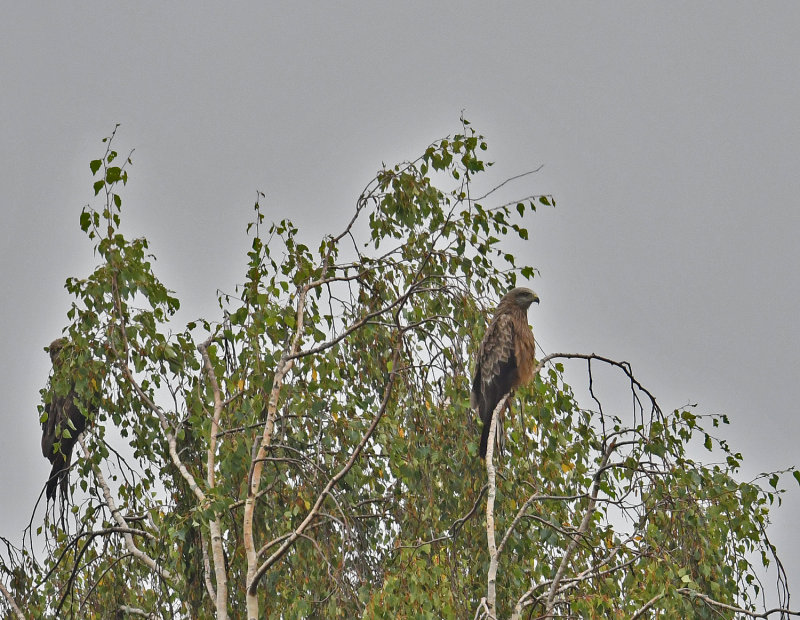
{"x": 257, "y": 465}
{"x": 289, "y": 541}
{"x": 11, "y": 602}
{"x": 640, "y": 612}
{"x": 116, "y": 514}
{"x": 587, "y": 516}
{"x": 491, "y": 586}
{"x": 720, "y": 605}
{"x": 207, "y": 569}
{"x": 221, "y": 600}
{"x": 135, "y": 611}
{"x": 624, "y": 366}
{"x": 171, "y": 441}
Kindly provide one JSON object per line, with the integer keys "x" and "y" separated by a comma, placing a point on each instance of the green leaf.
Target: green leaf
{"x": 113, "y": 174}
{"x": 94, "y": 165}
{"x": 796, "y": 475}
{"x": 98, "y": 185}
{"x": 86, "y": 220}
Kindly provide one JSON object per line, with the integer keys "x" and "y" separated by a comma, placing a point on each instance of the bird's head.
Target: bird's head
{"x": 522, "y": 297}
{"x": 55, "y": 348}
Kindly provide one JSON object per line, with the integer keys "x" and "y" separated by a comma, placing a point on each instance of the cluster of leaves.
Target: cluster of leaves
{"x": 378, "y": 323}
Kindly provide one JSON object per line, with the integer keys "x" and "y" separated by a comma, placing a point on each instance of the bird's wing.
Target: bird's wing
{"x": 496, "y": 366}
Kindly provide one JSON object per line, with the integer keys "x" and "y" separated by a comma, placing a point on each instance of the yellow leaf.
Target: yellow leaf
{"x": 313, "y": 374}
{"x": 240, "y": 385}
{"x": 567, "y": 467}
{"x": 401, "y": 433}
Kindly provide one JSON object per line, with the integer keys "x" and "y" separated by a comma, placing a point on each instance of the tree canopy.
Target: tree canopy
{"x": 311, "y": 453}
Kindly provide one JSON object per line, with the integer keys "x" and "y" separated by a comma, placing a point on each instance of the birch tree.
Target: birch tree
{"x": 310, "y": 452}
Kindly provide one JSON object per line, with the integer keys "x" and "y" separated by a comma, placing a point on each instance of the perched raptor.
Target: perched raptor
{"x": 505, "y": 358}
{"x": 63, "y": 415}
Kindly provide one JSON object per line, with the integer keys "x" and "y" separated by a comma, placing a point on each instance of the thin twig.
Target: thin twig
{"x": 720, "y": 605}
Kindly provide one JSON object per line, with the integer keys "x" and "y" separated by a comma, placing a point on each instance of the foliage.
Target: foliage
{"x": 313, "y": 454}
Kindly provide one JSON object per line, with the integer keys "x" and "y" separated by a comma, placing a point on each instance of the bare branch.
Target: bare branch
{"x": 360, "y": 323}
{"x": 207, "y": 569}
{"x": 508, "y": 180}
{"x": 483, "y": 611}
{"x": 516, "y": 520}
{"x": 459, "y": 522}
{"x": 491, "y": 586}
{"x": 581, "y": 530}
{"x": 257, "y": 465}
{"x": 135, "y": 611}
{"x": 116, "y": 514}
{"x": 289, "y": 541}
{"x": 720, "y": 605}
{"x": 639, "y": 612}
{"x": 165, "y": 427}
{"x": 221, "y": 600}
{"x": 453, "y": 529}
{"x": 12, "y": 603}
{"x": 625, "y": 366}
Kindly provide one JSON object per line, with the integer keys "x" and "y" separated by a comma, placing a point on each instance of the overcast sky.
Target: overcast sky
{"x": 668, "y": 132}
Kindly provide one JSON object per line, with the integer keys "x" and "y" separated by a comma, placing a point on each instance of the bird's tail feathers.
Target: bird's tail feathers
{"x": 59, "y": 474}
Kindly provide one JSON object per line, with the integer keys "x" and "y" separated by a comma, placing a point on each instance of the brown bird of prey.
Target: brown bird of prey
{"x": 63, "y": 415}
{"x": 505, "y": 358}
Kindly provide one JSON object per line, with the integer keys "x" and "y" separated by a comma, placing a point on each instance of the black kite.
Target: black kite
{"x": 63, "y": 415}
{"x": 505, "y": 358}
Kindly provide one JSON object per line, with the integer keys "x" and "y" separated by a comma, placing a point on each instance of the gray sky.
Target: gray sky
{"x": 669, "y": 135}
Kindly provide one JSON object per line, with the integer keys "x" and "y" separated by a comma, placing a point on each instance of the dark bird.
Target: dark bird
{"x": 61, "y": 427}
{"x": 505, "y": 358}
